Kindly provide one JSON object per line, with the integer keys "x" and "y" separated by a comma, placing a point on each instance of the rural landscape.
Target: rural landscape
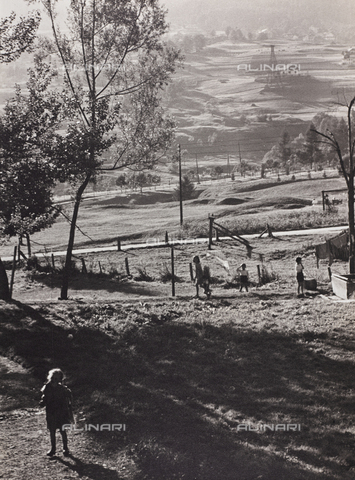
{"x": 229, "y": 154}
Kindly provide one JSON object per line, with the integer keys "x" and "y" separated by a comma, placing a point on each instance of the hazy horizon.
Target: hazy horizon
{"x": 244, "y": 14}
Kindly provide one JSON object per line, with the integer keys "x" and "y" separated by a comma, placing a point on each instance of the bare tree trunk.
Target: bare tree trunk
{"x": 351, "y": 191}
{"x": 351, "y": 227}
{"x": 29, "y": 251}
{"x": 4, "y": 283}
{"x": 67, "y": 266}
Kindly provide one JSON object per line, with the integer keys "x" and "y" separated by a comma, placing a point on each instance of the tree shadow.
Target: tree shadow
{"x": 16, "y": 387}
{"x": 97, "y": 282}
{"x": 184, "y": 389}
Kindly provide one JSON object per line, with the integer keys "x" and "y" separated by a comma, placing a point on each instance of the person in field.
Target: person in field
{"x": 202, "y": 277}
{"x": 243, "y": 276}
{"x": 57, "y": 399}
{"x": 299, "y": 276}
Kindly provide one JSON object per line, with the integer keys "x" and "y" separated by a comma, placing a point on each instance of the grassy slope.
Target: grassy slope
{"x": 182, "y": 375}
{"x": 263, "y": 201}
{"x": 214, "y": 97}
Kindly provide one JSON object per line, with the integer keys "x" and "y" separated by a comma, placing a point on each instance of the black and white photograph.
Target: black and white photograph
{"x": 177, "y": 239}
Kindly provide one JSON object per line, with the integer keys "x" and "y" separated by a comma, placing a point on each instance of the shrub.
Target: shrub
{"x": 143, "y": 275}
{"x": 33, "y": 263}
{"x": 166, "y": 275}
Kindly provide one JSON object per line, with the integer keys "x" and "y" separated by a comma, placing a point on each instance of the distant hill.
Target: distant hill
{"x": 249, "y": 15}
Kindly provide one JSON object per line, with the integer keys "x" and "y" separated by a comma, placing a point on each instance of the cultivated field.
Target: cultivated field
{"x": 225, "y": 98}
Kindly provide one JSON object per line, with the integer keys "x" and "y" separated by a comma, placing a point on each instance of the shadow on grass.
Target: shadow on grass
{"x": 83, "y": 282}
{"x": 16, "y": 389}
{"x": 184, "y": 389}
{"x": 92, "y": 471}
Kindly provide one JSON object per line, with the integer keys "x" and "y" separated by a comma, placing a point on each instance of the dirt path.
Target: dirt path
{"x": 193, "y": 241}
{"x": 24, "y": 438}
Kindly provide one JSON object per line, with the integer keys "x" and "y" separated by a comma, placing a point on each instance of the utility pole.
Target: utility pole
{"x": 180, "y": 185}
{"x": 198, "y": 176}
{"x": 228, "y": 166}
{"x": 240, "y": 160}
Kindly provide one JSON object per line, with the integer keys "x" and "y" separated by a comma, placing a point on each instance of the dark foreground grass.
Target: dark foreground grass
{"x": 184, "y": 376}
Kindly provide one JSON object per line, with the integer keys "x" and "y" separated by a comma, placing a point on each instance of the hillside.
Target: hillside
{"x": 226, "y": 102}
{"x": 192, "y": 381}
{"x": 226, "y": 97}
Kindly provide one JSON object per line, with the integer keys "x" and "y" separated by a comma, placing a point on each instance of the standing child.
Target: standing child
{"x": 300, "y": 276}
{"x": 244, "y": 277}
{"x": 57, "y": 399}
{"x": 202, "y": 277}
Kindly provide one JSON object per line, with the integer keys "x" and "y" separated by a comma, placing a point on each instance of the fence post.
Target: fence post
{"x": 330, "y": 274}
{"x": 166, "y": 237}
{"x": 118, "y": 244}
{"x": 210, "y": 242}
{"x": 19, "y": 249}
{"x": 53, "y": 264}
{"x": 83, "y": 270}
{"x": 172, "y": 272}
{"x": 191, "y": 272}
{"x": 127, "y": 266}
{"x": 13, "y": 271}
{"x": 259, "y": 274}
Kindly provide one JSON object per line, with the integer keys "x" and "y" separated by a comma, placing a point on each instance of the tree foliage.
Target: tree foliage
{"x": 284, "y": 148}
{"x": 16, "y": 38}
{"x": 187, "y": 189}
{"x": 27, "y": 172}
{"x": 115, "y": 65}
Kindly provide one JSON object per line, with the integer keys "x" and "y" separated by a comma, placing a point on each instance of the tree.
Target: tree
{"x": 121, "y": 181}
{"x": 236, "y": 35}
{"x": 16, "y": 38}
{"x": 325, "y": 122}
{"x": 187, "y": 189}
{"x": 218, "y": 171}
{"x": 284, "y": 148}
{"x": 115, "y": 65}
{"x": 138, "y": 179}
{"x": 154, "y": 179}
{"x": 27, "y": 129}
{"x": 310, "y": 153}
{"x": 348, "y": 171}
{"x": 200, "y": 42}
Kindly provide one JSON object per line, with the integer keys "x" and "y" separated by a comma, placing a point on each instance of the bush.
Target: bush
{"x": 166, "y": 276}
{"x": 143, "y": 275}
{"x": 34, "y": 264}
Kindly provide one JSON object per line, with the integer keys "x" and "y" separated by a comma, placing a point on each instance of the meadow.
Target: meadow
{"x": 194, "y": 382}
{"x": 243, "y": 386}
